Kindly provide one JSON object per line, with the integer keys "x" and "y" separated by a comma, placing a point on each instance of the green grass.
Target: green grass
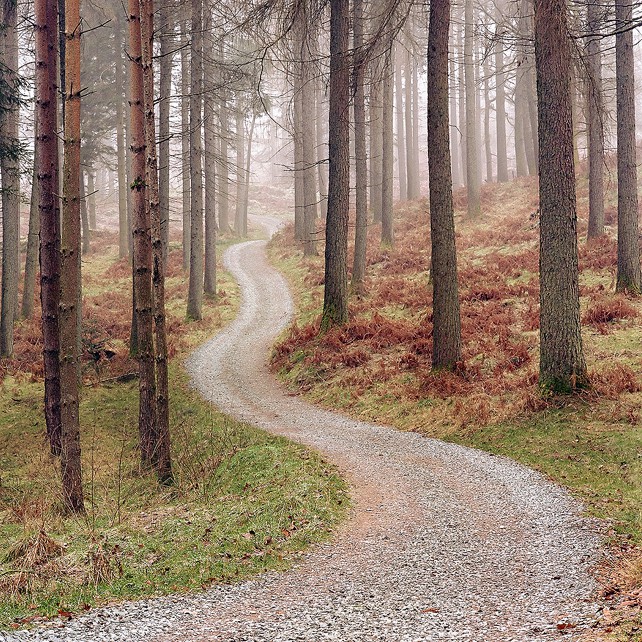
{"x": 244, "y": 502}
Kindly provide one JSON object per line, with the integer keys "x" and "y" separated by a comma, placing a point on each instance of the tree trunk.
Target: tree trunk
{"x": 520, "y": 150}
{"x": 195, "y": 294}
{"x": 361, "y": 161}
{"x": 335, "y": 302}
{"x": 488, "y": 148}
{"x": 310, "y": 212}
{"x": 31, "y": 260}
{"x": 376, "y": 140}
{"x": 322, "y": 154}
{"x": 223, "y": 169}
{"x": 387, "y": 166}
{"x": 446, "y": 319}
{"x": 70, "y": 284}
{"x": 165, "y": 36}
{"x": 10, "y": 170}
{"x": 209, "y": 283}
{"x": 461, "y": 91}
{"x": 124, "y": 231}
{"x": 401, "y": 142}
{"x": 500, "y": 103}
{"x": 628, "y": 250}
{"x": 595, "y": 110}
{"x": 247, "y": 170}
{"x": 46, "y": 20}
{"x": 186, "y": 134}
{"x": 143, "y": 303}
{"x": 455, "y": 148}
{"x": 297, "y": 140}
{"x": 91, "y": 198}
{"x": 161, "y": 447}
{"x": 240, "y": 167}
{"x": 562, "y": 365}
{"x": 84, "y": 216}
{"x": 472, "y": 150}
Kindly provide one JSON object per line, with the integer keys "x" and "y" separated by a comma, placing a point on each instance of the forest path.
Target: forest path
{"x": 444, "y": 542}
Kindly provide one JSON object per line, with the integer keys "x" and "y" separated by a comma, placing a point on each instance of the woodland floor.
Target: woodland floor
{"x": 377, "y": 368}
{"x": 241, "y": 504}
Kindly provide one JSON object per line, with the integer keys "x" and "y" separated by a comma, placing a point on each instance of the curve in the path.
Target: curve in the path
{"x": 445, "y": 543}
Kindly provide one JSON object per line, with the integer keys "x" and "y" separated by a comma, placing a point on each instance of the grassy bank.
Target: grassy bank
{"x": 244, "y": 502}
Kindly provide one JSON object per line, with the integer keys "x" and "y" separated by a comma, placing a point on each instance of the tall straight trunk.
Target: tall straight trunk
{"x": 31, "y": 260}
{"x": 595, "y": 108}
{"x": 335, "y": 301}
{"x": 124, "y": 232}
{"x": 223, "y": 169}
{"x": 186, "y": 134}
{"x": 416, "y": 165}
{"x": 488, "y": 147}
{"x": 472, "y": 169}
{"x": 446, "y": 317}
{"x": 240, "y": 168}
{"x": 195, "y": 293}
{"x": 628, "y": 249}
{"x": 455, "y": 148}
{"x": 461, "y": 92}
{"x": 527, "y": 86}
{"x": 209, "y": 281}
{"x": 247, "y": 170}
{"x": 361, "y": 160}
{"x": 387, "y": 165}
{"x": 10, "y": 170}
{"x": 297, "y": 140}
{"x": 46, "y": 20}
{"x": 161, "y": 452}
{"x": 142, "y": 255}
{"x": 70, "y": 284}
{"x": 562, "y": 365}
{"x": 310, "y": 212}
{"x": 321, "y": 151}
{"x": 84, "y": 216}
{"x": 165, "y": 36}
{"x": 91, "y": 197}
{"x": 500, "y": 103}
{"x": 410, "y": 154}
{"x": 520, "y": 150}
{"x": 401, "y": 142}
{"x": 376, "y": 139}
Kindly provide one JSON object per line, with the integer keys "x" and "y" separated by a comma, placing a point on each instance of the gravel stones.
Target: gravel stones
{"x": 444, "y": 543}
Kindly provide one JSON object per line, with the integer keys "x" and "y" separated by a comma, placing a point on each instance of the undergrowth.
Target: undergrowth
{"x": 243, "y": 502}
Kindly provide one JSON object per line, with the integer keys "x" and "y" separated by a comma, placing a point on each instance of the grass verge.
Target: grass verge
{"x": 244, "y": 502}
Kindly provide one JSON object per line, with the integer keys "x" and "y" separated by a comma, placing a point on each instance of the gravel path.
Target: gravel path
{"x": 445, "y": 543}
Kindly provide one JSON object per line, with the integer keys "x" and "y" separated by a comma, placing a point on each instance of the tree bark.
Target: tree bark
{"x": 142, "y": 255}
{"x": 595, "y": 110}
{"x": 361, "y": 161}
{"x": 124, "y": 231}
{"x": 376, "y": 139}
{"x": 70, "y": 283}
{"x": 209, "y": 282}
{"x": 500, "y": 102}
{"x": 31, "y": 260}
{"x": 472, "y": 150}
{"x": 628, "y": 250}
{"x": 310, "y": 212}
{"x": 185, "y": 134}
{"x": 165, "y": 36}
{"x": 195, "y": 294}
{"x": 455, "y": 149}
{"x": 240, "y": 167}
{"x": 387, "y": 165}
{"x": 223, "y": 169}
{"x": 10, "y": 170}
{"x": 46, "y": 20}
{"x": 161, "y": 456}
{"x": 446, "y": 318}
{"x": 562, "y": 365}
{"x": 335, "y": 302}
{"x": 401, "y": 142}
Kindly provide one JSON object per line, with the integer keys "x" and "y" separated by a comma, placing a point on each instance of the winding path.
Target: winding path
{"x": 445, "y": 542}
